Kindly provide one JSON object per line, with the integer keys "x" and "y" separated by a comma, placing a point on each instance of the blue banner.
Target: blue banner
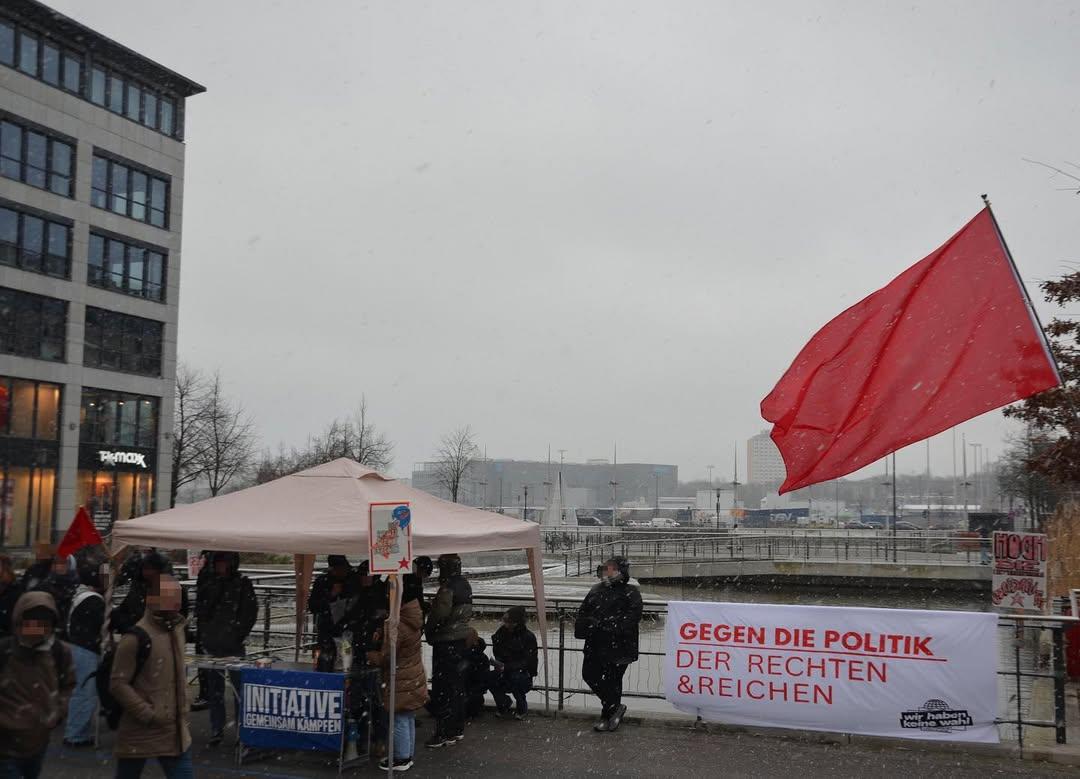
{"x": 292, "y": 709}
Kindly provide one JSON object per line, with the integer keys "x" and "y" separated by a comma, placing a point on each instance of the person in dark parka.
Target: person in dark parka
{"x": 226, "y": 609}
{"x": 608, "y": 622}
{"x": 478, "y": 675}
{"x": 516, "y": 662}
{"x": 446, "y": 629}
{"x": 10, "y": 590}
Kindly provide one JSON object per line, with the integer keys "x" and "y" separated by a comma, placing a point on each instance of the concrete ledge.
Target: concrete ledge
{"x": 1066, "y": 754}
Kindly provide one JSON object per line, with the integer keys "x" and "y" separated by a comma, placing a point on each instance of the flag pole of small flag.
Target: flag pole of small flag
{"x": 952, "y": 337}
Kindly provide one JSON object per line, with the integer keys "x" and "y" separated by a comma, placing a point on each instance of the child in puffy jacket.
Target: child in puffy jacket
{"x": 478, "y": 675}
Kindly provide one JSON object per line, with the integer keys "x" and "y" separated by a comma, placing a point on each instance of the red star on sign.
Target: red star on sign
{"x": 403, "y": 562}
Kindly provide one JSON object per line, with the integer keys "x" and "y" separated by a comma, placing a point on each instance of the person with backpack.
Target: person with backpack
{"x": 148, "y": 683}
{"x": 10, "y": 590}
{"x": 84, "y": 622}
{"x": 446, "y": 629}
{"x": 36, "y": 680}
{"x": 226, "y": 609}
{"x": 516, "y": 661}
{"x": 608, "y": 622}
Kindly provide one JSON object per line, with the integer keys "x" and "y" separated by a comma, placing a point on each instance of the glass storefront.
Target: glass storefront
{"x": 117, "y": 455}
{"x": 112, "y": 494}
{"x": 27, "y": 497}
{"x": 29, "y": 455}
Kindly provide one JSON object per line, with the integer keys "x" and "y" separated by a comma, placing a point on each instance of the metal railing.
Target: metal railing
{"x": 915, "y": 549}
{"x": 1031, "y": 656}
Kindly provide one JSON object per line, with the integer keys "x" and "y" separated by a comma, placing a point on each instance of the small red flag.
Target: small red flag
{"x": 81, "y": 533}
{"x": 950, "y": 338}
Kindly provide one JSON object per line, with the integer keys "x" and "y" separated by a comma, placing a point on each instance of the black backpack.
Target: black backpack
{"x": 109, "y": 705}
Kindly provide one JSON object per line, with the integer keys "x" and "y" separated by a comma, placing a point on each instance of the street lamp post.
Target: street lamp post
{"x": 975, "y": 476}
{"x": 525, "y": 508}
{"x": 718, "y": 509}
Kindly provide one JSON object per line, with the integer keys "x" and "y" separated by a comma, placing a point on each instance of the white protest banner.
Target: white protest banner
{"x": 1019, "y": 583}
{"x": 390, "y": 537}
{"x": 881, "y": 672}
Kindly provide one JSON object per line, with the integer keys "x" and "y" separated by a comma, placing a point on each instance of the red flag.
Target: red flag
{"x": 948, "y": 339}
{"x": 81, "y": 533}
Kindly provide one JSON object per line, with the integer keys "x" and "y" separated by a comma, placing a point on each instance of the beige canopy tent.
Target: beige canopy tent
{"x": 324, "y": 510}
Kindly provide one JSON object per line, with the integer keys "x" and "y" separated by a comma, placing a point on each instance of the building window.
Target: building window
{"x": 32, "y": 325}
{"x": 43, "y": 59}
{"x": 35, "y": 158}
{"x": 27, "y": 500}
{"x": 122, "y": 189}
{"x": 114, "y": 423}
{"x": 28, "y": 53}
{"x": 126, "y": 267}
{"x": 34, "y": 243}
{"x": 118, "y": 419}
{"x": 29, "y": 409}
{"x": 97, "y": 86}
{"x": 118, "y": 342}
{"x": 7, "y": 44}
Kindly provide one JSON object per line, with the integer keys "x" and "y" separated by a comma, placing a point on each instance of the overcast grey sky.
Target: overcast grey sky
{"x": 570, "y": 223}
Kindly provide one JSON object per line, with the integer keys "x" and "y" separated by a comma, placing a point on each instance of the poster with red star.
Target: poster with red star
{"x": 1019, "y": 583}
{"x": 390, "y": 537}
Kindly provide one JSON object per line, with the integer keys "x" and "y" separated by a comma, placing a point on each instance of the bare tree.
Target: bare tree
{"x": 454, "y": 458}
{"x": 188, "y": 439}
{"x": 356, "y": 438}
{"x": 228, "y": 438}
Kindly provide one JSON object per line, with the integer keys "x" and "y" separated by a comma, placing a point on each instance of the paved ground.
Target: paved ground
{"x": 568, "y": 747}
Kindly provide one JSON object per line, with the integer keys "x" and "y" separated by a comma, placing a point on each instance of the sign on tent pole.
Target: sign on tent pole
{"x": 390, "y": 537}
{"x": 1019, "y": 582}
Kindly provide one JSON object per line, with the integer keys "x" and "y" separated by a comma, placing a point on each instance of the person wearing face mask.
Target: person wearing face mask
{"x": 608, "y": 622}
{"x": 154, "y": 723}
{"x": 37, "y": 677}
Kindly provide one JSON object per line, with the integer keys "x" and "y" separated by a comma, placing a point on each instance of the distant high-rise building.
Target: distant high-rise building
{"x": 764, "y": 464}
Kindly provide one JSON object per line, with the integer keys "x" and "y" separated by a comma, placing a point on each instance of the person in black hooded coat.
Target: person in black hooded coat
{"x": 226, "y": 608}
{"x": 608, "y": 622}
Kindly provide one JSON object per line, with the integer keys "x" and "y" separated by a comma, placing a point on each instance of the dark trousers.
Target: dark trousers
{"x": 215, "y": 696}
{"x": 605, "y": 680}
{"x": 178, "y": 767}
{"x": 365, "y": 700}
{"x": 448, "y": 667}
{"x": 508, "y": 683}
{"x": 22, "y": 767}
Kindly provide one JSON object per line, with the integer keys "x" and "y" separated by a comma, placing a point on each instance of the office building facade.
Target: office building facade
{"x": 91, "y": 188}
{"x": 764, "y": 465}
